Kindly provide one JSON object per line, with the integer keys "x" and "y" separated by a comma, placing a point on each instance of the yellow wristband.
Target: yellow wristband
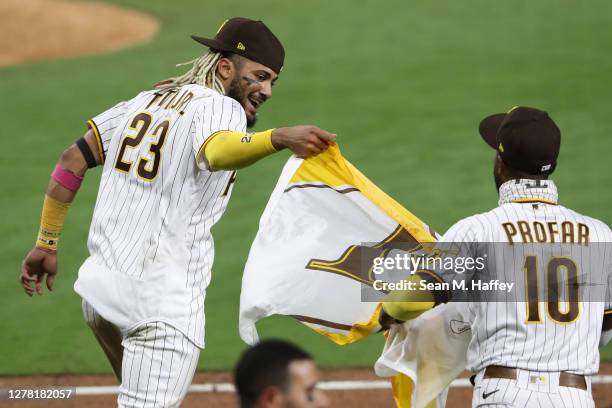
{"x": 409, "y": 304}
{"x": 51, "y": 223}
{"x": 406, "y": 310}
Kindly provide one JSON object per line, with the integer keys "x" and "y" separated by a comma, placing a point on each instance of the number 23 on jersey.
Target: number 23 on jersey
{"x": 147, "y": 165}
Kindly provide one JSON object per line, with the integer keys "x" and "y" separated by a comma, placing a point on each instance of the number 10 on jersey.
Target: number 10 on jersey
{"x": 556, "y": 269}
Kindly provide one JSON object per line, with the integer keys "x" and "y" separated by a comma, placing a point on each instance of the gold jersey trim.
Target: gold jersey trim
{"x": 534, "y": 200}
{"x": 92, "y": 125}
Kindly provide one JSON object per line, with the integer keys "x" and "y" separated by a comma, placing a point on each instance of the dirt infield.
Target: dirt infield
{"x": 33, "y": 30}
{"x": 459, "y": 397}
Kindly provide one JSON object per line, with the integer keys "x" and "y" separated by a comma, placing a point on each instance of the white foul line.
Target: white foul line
{"x": 324, "y": 385}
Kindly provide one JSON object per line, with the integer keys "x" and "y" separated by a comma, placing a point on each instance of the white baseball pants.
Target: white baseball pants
{"x": 154, "y": 363}
{"x": 530, "y": 389}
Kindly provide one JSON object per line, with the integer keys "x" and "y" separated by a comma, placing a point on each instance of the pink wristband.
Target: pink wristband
{"x": 67, "y": 178}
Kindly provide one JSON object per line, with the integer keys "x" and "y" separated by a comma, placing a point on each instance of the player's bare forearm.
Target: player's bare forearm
{"x": 72, "y": 160}
{"x": 41, "y": 262}
{"x": 57, "y": 191}
{"x": 304, "y": 140}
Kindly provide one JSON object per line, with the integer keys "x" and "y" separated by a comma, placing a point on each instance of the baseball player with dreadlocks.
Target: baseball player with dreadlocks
{"x": 170, "y": 157}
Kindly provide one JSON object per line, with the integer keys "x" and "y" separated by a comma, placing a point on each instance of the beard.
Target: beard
{"x": 498, "y": 180}
{"x": 236, "y": 92}
{"x": 497, "y": 172}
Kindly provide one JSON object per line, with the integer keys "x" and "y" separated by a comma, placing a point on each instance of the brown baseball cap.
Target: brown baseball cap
{"x": 249, "y": 38}
{"x": 526, "y": 139}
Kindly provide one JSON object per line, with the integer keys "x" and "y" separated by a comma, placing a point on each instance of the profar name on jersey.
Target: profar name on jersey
{"x": 565, "y": 232}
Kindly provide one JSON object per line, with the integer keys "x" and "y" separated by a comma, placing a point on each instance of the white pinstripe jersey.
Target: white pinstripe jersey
{"x": 535, "y": 335}
{"x": 151, "y": 250}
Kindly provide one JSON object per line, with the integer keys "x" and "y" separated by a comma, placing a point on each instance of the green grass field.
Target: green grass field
{"x": 403, "y": 84}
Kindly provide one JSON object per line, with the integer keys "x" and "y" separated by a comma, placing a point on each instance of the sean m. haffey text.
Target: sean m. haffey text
{"x": 406, "y": 262}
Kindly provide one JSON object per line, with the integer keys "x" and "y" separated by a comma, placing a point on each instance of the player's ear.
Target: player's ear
{"x": 225, "y": 69}
{"x": 270, "y": 397}
{"x": 498, "y": 165}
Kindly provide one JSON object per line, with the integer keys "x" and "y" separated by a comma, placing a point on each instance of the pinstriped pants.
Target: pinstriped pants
{"x": 154, "y": 363}
{"x": 520, "y": 393}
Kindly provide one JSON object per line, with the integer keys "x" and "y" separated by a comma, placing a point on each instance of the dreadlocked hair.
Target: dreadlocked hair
{"x": 203, "y": 72}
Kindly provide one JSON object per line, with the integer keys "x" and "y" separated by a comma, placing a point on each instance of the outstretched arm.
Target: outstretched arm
{"x": 229, "y": 150}
{"x": 65, "y": 181}
{"x": 402, "y": 305}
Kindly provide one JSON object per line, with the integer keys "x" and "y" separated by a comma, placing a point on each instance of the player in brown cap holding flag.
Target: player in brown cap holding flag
{"x": 169, "y": 156}
{"x": 536, "y": 345}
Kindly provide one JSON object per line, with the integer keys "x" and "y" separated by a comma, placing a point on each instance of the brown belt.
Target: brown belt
{"x": 565, "y": 379}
